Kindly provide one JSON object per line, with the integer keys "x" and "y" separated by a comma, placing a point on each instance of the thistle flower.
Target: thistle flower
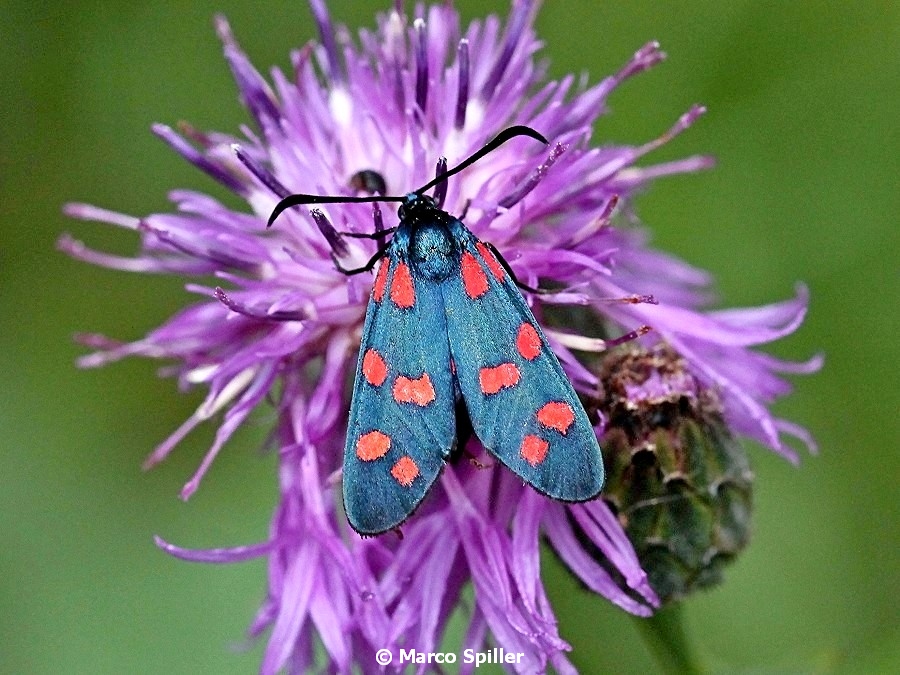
{"x": 285, "y": 323}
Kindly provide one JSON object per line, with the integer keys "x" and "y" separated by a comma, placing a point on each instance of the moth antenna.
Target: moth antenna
{"x": 498, "y": 140}
{"x": 299, "y": 199}
{"x": 506, "y": 135}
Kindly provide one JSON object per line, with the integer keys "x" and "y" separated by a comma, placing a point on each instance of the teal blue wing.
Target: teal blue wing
{"x": 522, "y": 406}
{"x": 402, "y": 424}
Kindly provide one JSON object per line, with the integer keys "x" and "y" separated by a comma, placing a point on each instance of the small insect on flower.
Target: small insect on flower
{"x": 369, "y": 180}
{"x": 446, "y": 323}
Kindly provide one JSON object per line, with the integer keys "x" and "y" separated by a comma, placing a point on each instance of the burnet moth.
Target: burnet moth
{"x": 446, "y": 324}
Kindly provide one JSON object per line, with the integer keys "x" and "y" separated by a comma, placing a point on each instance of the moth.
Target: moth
{"x": 446, "y": 325}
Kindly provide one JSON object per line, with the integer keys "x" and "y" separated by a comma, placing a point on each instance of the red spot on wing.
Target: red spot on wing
{"x": 373, "y": 445}
{"x": 557, "y": 415}
{"x": 402, "y": 291}
{"x": 381, "y": 279}
{"x": 405, "y": 470}
{"x": 528, "y": 342}
{"x": 374, "y": 368}
{"x": 419, "y": 391}
{"x": 474, "y": 279}
{"x": 453, "y": 366}
{"x": 499, "y": 377}
{"x": 493, "y": 264}
{"x": 534, "y": 449}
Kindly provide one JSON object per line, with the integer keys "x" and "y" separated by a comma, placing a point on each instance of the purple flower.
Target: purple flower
{"x": 285, "y": 324}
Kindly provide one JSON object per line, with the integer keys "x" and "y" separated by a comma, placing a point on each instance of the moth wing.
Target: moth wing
{"x": 521, "y": 403}
{"x": 401, "y": 428}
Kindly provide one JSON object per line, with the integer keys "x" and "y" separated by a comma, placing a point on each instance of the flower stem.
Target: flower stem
{"x": 665, "y": 636}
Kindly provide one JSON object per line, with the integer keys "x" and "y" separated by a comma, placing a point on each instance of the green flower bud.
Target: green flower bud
{"x": 678, "y": 480}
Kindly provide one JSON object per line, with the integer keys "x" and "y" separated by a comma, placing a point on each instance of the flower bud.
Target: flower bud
{"x": 677, "y": 478}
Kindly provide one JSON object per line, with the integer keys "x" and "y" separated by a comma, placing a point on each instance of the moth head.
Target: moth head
{"x": 415, "y": 206}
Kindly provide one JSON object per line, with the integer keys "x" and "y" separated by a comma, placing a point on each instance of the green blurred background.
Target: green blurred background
{"x": 803, "y": 103}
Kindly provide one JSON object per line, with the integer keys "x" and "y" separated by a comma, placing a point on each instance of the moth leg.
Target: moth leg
{"x": 368, "y": 235}
{"x": 365, "y": 268}
{"x": 512, "y": 275}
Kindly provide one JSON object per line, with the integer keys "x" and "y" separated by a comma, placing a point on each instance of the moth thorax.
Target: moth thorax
{"x": 433, "y": 252}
